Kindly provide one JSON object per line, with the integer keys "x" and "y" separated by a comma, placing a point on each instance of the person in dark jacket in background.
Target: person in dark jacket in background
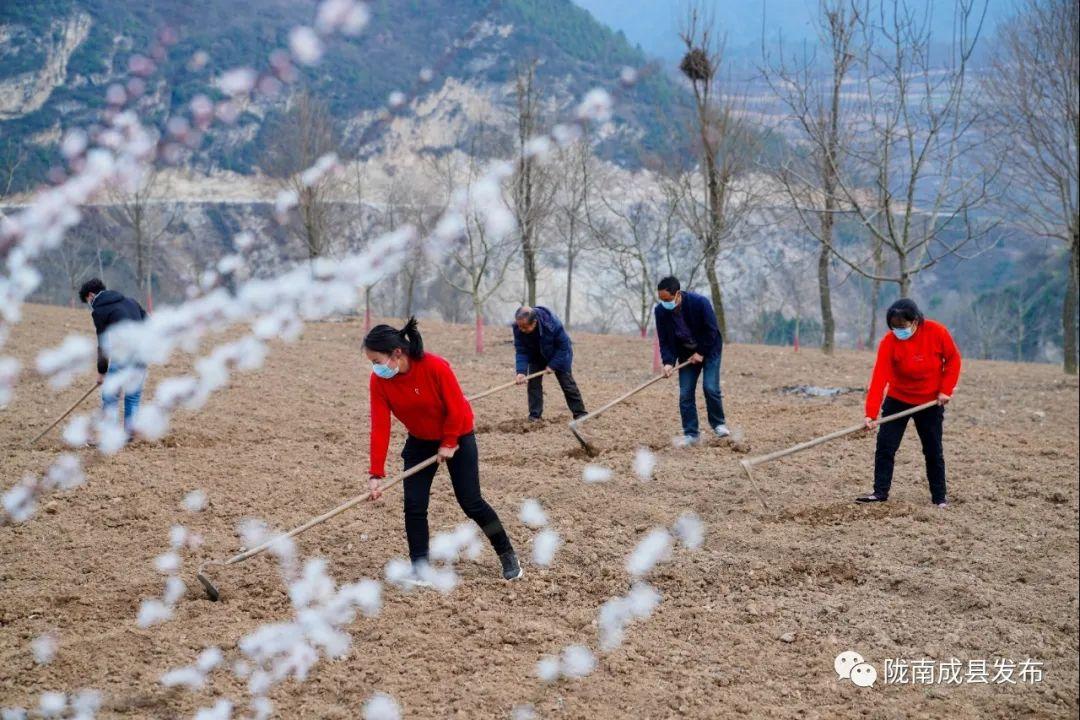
{"x": 540, "y": 342}
{"x": 687, "y": 330}
{"x": 108, "y": 307}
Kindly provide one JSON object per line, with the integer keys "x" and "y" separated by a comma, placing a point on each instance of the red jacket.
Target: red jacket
{"x": 915, "y": 370}
{"x": 427, "y": 400}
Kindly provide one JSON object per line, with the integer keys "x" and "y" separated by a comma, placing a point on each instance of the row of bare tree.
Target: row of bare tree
{"x": 881, "y": 145}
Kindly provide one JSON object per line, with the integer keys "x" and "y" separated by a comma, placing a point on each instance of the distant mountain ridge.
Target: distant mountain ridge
{"x": 58, "y": 57}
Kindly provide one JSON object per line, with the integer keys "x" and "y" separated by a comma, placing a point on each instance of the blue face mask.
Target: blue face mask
{"x": 903, "y": 333}
{"x": 384, "y": 371}
{"x": 667, "y": 304}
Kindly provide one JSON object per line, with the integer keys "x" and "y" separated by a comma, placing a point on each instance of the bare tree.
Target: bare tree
{"x": 917, "y": 146}
{"x": 724, "y": 146}
{"x": 480, "y": 258}
{"x": 302, "y": 138}
{"x": 12, "y": 156}
{"x": 641, "y": 242}
{"x": 532, "y": 186}
{"x": 143, "y": 207}
{"x": 813, "y": 96}
{"x": 573, "y": 208}
{"x": 1034, "y": 90}
{"x": 70, "y": 258}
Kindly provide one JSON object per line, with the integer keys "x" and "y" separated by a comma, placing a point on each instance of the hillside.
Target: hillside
{"x": 993, "y": 576}
{"x": 58, "y": 57}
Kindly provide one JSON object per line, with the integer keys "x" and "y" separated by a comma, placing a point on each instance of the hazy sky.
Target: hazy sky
{"x": 654, "y": 24}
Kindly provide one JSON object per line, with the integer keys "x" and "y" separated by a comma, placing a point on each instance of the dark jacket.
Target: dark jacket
{"x": 110, "y": 307}
{"x": 556, "y": 350}
{"x": 700, "y": 318}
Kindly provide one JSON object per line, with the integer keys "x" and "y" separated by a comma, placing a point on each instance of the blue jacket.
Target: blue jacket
{"x": 108, "y": 309}
{"x": 700, "y": 318}
{"x": 555, "y": 347}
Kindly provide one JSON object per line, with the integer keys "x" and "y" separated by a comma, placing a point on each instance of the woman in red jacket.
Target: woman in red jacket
{"x": 422, "y": 392}
{"x": 917, "y": 362}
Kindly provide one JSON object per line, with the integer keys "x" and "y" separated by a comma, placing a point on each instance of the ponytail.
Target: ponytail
{"x": 414, "y": 346}
{"x": 385, "y": 339}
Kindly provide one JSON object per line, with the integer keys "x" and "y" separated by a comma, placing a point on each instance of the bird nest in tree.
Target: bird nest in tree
{"x": 695, "y": 65}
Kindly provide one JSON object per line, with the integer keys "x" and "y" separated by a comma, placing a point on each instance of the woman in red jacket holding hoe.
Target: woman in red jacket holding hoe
{"x": 420, "y": 389}
{"x": 917, "y": 362}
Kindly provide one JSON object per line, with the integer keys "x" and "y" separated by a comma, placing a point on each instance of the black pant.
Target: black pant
{"x": 569, "y": 388}
{"x": 464, "y": 475}
{"x": 928, "y": 424}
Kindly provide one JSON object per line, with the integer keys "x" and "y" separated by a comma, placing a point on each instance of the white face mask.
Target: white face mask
{"x": 384, "y": 371}
{"x": 904, "y": 333}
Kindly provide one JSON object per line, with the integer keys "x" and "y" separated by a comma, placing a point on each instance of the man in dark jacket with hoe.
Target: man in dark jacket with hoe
{"x": 687, "y": 330}
{"x": 540, "y": 342}
{"x": 108, "y": 307}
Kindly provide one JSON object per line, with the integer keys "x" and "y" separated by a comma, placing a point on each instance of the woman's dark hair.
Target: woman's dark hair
{"x": 385, "y": 339}
{"x": 669, "y": 284}
{"x": 904, "y": 310}
{"x": 93, "y": 285}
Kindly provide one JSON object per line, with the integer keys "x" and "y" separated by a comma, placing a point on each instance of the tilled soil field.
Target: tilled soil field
{"x": 748, "y": 625}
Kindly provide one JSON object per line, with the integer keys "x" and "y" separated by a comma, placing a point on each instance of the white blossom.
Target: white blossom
{"x": 153, "y": 611}
{"x": 381, "y": 706}
{"x": 85, "y": 704}
{"x": 195, "y": 501}
{"x": 44, "y": 648}
{"x": 596, "y": 474}
{"x": 238, "y": 81}
{"x": 595, "y": 106}
{"x": 52, "y": 704}
{"x": 525, "y": 711}
{"x": 63, "y": 363}
{"x": 532, "y": 514}
{"x": 74, "y": 143}
{"x": 577, "y": 661}
{"x": 306, "y": 47}
{"x": 174, "y": 590}
{"x": 222, "y": 710}
{"x": 167, "y": 563}
{"x": 690, "y": 530}
{"x": 77, "y": 431}
{"x": 644, "y": 463}
{"x": 545, "y": 544}
{"x": 653, "y": 548}
{"x": 189, "y": 677}
{"x": 547, "y": 669}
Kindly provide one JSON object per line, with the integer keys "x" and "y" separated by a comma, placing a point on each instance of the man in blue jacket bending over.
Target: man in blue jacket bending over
{"x": 107, "y": 308}
{"x": 540, "y": 341}
{"x": 687, "y": 330}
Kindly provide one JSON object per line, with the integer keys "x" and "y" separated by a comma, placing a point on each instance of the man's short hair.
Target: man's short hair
{"x": 91, "y": 286}
{"x": 527, "y": 314}
{"x": 669, "y": 284}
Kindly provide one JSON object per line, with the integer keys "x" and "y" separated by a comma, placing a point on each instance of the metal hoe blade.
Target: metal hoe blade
{"x": 589, "y": 449}
{"x": 209, "y": 587}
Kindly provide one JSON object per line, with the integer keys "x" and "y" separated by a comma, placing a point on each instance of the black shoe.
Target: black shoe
{"x": 510, "y": 566}
{"x": 580, "y": 415}
{"x": 871, "y": 498}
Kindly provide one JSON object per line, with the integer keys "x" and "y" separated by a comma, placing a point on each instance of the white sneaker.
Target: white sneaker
{"x": 722, "y": 431}
{"x": 418, "y": 578}
{"x": 685, "y": 441}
